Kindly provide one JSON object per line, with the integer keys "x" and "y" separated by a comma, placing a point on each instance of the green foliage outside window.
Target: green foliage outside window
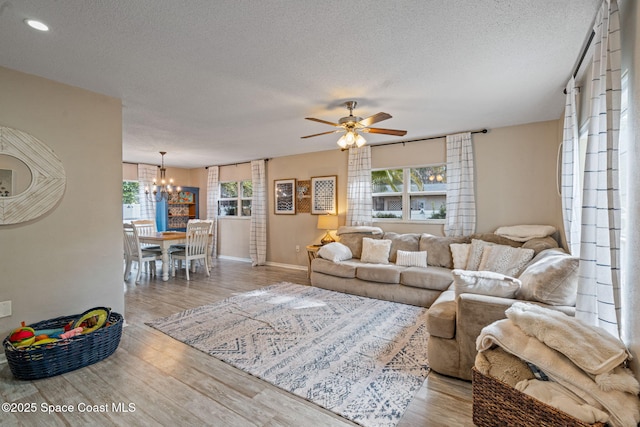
{"x": 130, "y": 191}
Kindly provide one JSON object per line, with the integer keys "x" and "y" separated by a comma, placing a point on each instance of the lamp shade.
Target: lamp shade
{"x": 328, "y": 222}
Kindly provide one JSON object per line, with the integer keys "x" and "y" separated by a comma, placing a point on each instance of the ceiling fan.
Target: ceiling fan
{"x": 351, "y": 125}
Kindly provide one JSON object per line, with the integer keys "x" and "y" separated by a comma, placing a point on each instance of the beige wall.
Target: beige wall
{"x": 70, "y": 259}
{"x": 515, "y": 183}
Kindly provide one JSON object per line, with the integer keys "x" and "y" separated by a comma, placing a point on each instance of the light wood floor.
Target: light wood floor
{"x": 161, "y": 381}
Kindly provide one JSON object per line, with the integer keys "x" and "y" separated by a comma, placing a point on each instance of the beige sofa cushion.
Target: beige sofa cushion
{"x": 409, "y": 242}
{"x": 341, "y": 269}
{"x": 379, "y": 273}
{"x": 539, "y": 244}
{"x": 438, "y": 250}
{"x": 436, "y": 278}
{"x": 354, "y": 241}
{"x": 551, "y": 277}
{"x": 441, "y": 317}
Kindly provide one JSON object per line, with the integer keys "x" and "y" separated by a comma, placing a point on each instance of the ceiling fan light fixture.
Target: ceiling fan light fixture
{"x": 37, "y": 25}
{"x": 360, "y": 141}
{"x": 342, "y": 142}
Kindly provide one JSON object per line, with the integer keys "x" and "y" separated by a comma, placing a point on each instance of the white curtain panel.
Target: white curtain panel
{"x": 359, "y": 202}
{"x": 461, "y": 200}
{"x": 570, "y": 176}
{"x": 212, "y": 206}
{"x": 146, "y": 175}
{"x": 258, "y": 229}
{"x": 598, "y": 300}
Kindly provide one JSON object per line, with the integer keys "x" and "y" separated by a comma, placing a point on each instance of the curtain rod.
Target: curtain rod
{"x": 426, "y": 139}
{"x": 235, "y": 164}
{"x": 584, "y": 54}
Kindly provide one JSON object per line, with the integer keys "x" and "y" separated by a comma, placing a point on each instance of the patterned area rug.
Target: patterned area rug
{"x": 361, "y": 358}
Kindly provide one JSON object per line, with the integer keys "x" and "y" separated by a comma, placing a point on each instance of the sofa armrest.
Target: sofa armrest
{"x": 474, "y": 312}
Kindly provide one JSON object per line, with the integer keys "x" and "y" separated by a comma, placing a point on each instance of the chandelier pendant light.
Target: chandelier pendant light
{"x": 163, "y": 189}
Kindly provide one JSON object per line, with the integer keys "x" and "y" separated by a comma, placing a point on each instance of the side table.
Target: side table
{"x": 312, "y": 253}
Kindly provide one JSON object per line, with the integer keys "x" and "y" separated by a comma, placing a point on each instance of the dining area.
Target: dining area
{"x": 145, "y": 245}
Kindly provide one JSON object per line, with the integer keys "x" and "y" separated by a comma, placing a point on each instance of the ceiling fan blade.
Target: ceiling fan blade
{"x": 323, "y": 133}
{"x": 374, "y": 119}
{"x": 322, "y": 121}
{"x": 395, "y": 132}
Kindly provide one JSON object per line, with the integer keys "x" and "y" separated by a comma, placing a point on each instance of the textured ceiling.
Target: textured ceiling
{"x": 226, "y": 81}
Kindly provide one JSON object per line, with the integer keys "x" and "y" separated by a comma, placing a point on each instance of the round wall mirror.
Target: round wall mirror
{"x": 33, "y": 178}
{"x": 15, "y": 176}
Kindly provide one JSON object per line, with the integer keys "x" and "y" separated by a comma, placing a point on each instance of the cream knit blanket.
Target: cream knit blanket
{"x": 623, "y": 408}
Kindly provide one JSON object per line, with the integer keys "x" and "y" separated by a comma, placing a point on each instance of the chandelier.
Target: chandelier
{"x": 161, "y": 191}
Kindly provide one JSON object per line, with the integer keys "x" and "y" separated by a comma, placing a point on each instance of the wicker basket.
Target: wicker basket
{"x": 498, "y": 404}
{"x": 47, "y": 360}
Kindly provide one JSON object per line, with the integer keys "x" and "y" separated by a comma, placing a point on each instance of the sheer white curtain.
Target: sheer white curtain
{"x": 258, "y": 229}
{"x": 598, "y": 299}
{"x": 570, "y": 181}
{"x": 146, "y": 175}
{"x": 461, "y": 201}
{"x": 212, "y": 206}
{"x": 359, "y": 202}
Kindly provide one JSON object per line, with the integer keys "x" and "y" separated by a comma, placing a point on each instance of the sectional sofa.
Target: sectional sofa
{"x": 464, "y": 284}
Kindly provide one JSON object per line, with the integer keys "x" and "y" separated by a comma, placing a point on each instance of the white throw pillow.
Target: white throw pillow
{"x": 460, "y": 254}
{"x": 335, "y": 252}
{"x": 411, "y": 258}
{"x": 505, "y": 259}
{"x": 475, "y": 254}
{"x": 484, "y": 283}
{"x": 375, "y": 250}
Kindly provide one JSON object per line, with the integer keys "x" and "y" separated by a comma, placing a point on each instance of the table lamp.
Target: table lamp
{"x": 327, "y": 222}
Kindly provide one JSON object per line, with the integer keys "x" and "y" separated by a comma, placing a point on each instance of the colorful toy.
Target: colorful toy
{"x": 23, "y": 336}
{"x": 88, "y": 321}
{"x": 71, "y": 333}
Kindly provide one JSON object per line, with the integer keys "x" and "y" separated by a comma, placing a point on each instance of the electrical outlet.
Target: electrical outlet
{"x": 297, "y": 248}
{"x": 5, "y": 308}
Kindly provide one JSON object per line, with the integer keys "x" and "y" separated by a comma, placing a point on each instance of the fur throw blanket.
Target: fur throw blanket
{"x": 590, "y": 348}
{"x": 623, "y": 408}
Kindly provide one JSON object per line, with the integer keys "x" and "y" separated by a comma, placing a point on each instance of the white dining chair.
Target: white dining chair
{"x": 147, "y": 227}
{"x": 196, "y": 247}
{"x": 134, "y": 252}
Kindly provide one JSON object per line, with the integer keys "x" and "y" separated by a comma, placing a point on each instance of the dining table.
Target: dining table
{"x": 165, "y": 239}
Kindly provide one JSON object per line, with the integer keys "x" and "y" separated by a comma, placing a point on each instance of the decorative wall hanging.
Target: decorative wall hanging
{"x": 48, "y": 177}
{"x": 324, "y": 195}
{"x": 303, "y": 204}
{"x": 284, "y": 192}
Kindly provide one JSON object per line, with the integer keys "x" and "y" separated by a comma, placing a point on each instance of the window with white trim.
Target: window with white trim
{"x": 235, "y": 198}
{"x": 410, "y": 193}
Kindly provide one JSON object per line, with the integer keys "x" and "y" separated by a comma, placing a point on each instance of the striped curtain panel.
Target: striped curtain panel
{"x": 359, "y": 202}
{"x": 212, "y": 206}
{"x": 461, "y": 201}
{"x": 570, "y": 177}
{"x": 146, "y": 175}
{"x": 258, "y": 229}
{"x": 598, "y": 301}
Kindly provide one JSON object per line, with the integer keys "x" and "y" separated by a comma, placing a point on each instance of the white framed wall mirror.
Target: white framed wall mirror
{"x": 32, "y": 177}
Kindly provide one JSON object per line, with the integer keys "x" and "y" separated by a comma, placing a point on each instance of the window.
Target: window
{"x": 130, "y": 200}
{"x": 411, "y": 193}
{"x": 234, "y": 194}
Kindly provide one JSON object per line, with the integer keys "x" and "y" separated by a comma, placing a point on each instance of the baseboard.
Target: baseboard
{"x": 269, "y": 263}
{"x": 289, "y": 266}
{"x": 234, "y": 258}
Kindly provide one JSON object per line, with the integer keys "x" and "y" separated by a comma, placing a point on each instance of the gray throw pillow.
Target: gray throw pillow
{"x": 438, "y": 249}
{"x": 551, "y": 277}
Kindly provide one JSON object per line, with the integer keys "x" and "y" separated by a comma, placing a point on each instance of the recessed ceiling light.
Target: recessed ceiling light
{"x": 36, "y": 24}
